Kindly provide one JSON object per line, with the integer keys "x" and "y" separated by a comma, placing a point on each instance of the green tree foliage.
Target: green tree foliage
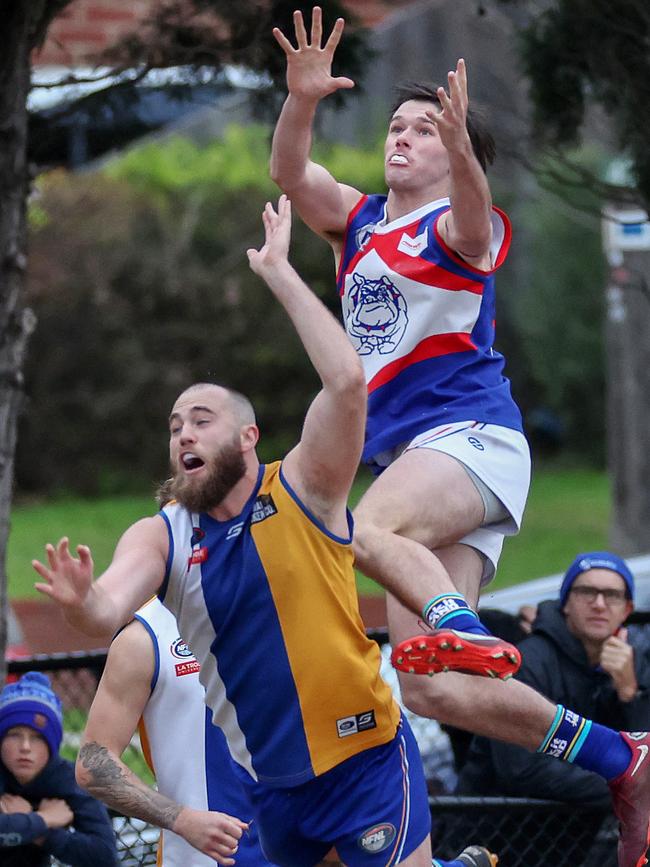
{"x": 553, "y": 313}
{"x": 141, "y": 285}
{"x": 581, "y": 52}
{"x": 205, "y": 35}
{"x": 140, "y": 281}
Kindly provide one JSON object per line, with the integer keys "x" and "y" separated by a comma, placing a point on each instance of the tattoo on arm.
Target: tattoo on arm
{"x": 112, "y": 782}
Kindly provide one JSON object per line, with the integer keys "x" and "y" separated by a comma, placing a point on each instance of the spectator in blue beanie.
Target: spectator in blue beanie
{"x": 43, "y": 812}
{"x": 578, "y": 655}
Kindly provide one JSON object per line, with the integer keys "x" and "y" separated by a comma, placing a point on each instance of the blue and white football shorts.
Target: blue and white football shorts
{"x": 372, "y": 808}
{"x": 498, "y": 462}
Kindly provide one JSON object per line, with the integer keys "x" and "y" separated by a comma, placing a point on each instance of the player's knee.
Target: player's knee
{"x": 428, "y": 697}
{"x": 365, "y": 542}
{"x": 413, "y": 696}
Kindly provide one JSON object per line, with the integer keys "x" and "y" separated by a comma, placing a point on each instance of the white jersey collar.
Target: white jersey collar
{"x": 383, "y": 226}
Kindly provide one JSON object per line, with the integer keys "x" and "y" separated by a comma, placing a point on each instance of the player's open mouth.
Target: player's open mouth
{"x": 398, "y": 160}
{"x": 191, "y": 462}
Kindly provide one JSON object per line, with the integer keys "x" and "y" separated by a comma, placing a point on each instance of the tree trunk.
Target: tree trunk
{"x": 16, "y": 322}
{"x": 628, "y": 400}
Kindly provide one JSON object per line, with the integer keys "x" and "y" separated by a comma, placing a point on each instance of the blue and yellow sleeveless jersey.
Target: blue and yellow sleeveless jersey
{"x": 268, "y": 603}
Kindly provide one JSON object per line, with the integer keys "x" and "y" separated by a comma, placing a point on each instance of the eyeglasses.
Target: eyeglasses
{"x": 590, "y": 594}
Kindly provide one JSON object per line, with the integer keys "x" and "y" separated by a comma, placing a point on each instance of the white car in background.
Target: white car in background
{"x": 511, "y": 599}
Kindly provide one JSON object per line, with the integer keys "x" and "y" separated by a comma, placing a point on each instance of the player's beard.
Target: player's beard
{"x": 202, "y": 494}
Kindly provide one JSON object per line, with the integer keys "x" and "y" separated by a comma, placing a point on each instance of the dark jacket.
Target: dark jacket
{"x": 555, "y": 664}
{"x": 91, "y": 844}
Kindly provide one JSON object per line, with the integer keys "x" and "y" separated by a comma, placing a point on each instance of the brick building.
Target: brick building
{"x": 86, "y": 27}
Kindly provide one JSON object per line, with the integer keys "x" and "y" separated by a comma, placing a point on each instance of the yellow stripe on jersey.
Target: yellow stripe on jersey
{"x": 146, "y": 752}
{"x": 144, "y": 743}
{"x": 334, "y": 665}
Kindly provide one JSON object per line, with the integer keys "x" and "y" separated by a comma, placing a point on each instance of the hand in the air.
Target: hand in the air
{"x": 309, "y": 66}
{"x": 66, "y": 579}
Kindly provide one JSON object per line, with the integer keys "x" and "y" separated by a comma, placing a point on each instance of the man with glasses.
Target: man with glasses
{"x": 578, "y": 655}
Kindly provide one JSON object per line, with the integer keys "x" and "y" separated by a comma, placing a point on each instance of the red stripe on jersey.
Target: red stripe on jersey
{"x": 501, "y": 255}
{"x": 412, "y": 267}
{"x": 351, "y": 216}
{"x": 420, "y": 269}
{"x": 431, "y": 347}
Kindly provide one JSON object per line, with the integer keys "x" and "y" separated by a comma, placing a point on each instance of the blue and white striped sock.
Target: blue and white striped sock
{"x": 573, "y": 738}
{"x": 451, "y": 611}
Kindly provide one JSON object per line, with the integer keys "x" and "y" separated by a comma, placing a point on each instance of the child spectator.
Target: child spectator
{"x": 43, "y": 812}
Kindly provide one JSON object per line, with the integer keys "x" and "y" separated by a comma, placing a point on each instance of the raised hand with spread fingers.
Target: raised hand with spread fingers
{"x": 309, "y": 64}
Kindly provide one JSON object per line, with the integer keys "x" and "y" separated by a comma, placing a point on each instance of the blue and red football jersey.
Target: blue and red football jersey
{"x": 422, "y": 322}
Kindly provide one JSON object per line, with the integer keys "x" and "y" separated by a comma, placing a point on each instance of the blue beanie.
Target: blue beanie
{"x": 596, "y": 560}
{"x": 31, "y": 702}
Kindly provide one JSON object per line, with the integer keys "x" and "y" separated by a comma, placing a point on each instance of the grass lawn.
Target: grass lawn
{"x": 97, "y": 523}
{"x": 567, "y": 512}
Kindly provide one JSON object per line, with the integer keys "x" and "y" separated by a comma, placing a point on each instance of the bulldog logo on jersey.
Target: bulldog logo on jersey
{"x": 376, "y": 316}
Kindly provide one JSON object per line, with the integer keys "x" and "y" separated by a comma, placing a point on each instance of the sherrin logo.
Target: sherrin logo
{"x": 377, "y": 838}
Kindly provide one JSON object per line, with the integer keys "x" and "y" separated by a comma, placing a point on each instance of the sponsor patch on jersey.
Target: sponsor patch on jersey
{"x": 377, "y": 838}
{"x": 191, "y": 667}
{"x": 199, "y": 555}
{"x": 359, "y": 722}
{"x": 414, "y": 246}
{"x": 180, "y": 649}
{"x": 263, "y": 508}
{"x": 197, "y": 535}
{"x": 235, "y": 531}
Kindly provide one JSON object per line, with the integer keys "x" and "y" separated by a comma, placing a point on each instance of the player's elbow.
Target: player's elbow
{"x": 292, "y": 177}
{"x": 283, "y": 175}
{"x": 275, "y": 171}
{"x": 86, "y": 766}
{"x": 82, "y": 775}
{"x": 350, "y": 382}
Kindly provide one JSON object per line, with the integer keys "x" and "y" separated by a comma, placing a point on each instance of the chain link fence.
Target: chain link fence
{"x": 524, "y": 832}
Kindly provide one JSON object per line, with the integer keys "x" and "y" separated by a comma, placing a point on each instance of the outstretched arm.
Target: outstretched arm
{"x": 101, "y": 607}
{"x": 467, "y": 227}
{"x": 321, "y": 201}
{"x": 322, "y": 466}
{"x": 121, "y": 698}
